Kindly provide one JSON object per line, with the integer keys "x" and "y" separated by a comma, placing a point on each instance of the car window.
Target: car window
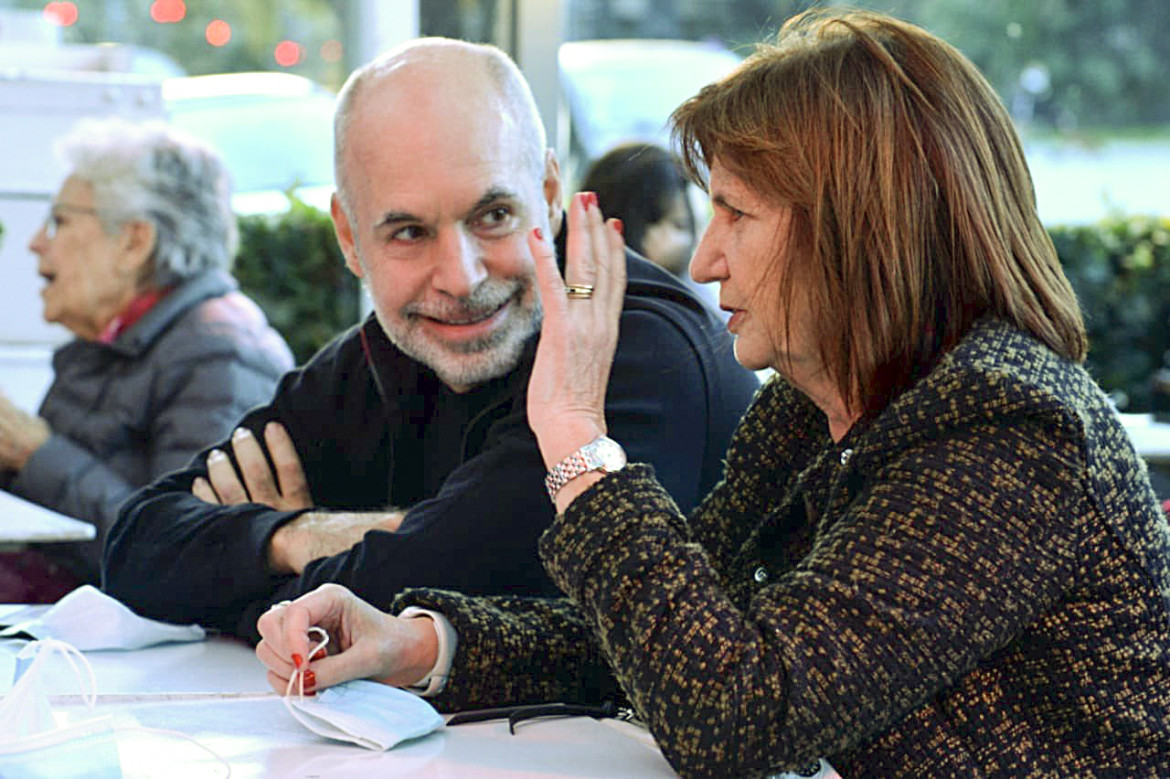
{"x": 268, "y": 143}
{"x": 626, "y": 90}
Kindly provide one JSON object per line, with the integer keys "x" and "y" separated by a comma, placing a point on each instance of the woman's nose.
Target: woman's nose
{"x": 707, "y": 263}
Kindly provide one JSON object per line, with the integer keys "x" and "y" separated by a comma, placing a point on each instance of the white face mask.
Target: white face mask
{"x": 31, "y": 743}
{"x": 369, "y": 714}
{"x": 89, "y": 619}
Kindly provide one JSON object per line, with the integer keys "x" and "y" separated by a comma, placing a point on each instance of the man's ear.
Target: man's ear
{"x": 344, "y": 232}
{"x": 552, "y": 191}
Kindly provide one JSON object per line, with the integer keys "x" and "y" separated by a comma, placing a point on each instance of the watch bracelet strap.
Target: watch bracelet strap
{"x": 567, "y": 469}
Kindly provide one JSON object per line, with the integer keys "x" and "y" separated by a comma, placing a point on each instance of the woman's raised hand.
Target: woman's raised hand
{"x": 364, "y": 643}
{"x": 566, "y": 393}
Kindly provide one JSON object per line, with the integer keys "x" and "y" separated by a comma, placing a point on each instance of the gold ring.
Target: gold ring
{"x": 579, "y": 291}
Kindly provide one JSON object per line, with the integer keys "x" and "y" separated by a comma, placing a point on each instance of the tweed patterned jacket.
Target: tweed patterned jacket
{"x": 974, "y": 583}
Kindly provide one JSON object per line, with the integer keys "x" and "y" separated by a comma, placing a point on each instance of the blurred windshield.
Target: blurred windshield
{"x": 274, "y": 135}
{"x": 621, "y": 90}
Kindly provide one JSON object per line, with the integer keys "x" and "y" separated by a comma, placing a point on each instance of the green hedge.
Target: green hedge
{"x": 291, "y": 266}
{"x": 1120, "y": 268}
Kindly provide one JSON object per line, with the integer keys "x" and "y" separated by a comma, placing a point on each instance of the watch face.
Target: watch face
{"x": 612, "y": 456}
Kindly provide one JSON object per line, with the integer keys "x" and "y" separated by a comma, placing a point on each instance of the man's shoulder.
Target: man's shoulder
{"x": 650, "y": 287}
{"x": 676, "y": 331}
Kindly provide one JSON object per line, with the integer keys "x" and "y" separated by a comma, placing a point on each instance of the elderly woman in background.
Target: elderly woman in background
{"x": 166, "y": 353}
{"x": 934, "y": 552}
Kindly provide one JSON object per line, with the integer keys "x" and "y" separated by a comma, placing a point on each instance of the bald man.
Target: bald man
{"x": 400, "y": 455}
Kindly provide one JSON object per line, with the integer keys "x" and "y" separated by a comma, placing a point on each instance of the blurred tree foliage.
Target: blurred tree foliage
{"x": 1120, "y": 269}
{"x": 1065, "y": 64}
{"x": 291, "y": 266}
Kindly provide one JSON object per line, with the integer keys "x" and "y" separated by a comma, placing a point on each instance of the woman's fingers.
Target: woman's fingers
{"x": 580, "y": 264}
{"x": 615, "y": 269}
{"x": 548, "y": 278}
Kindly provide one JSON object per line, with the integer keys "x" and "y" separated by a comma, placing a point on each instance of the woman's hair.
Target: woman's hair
{"x": 913, "y": 210}
{"x": 637, "y": 183}
{"x": 151, "y": 172}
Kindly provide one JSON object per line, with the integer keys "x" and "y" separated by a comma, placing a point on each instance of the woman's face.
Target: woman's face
{"x": 669, "y": 241}
{"x": 90, "y": 276}
{"x": 744, "y": 248}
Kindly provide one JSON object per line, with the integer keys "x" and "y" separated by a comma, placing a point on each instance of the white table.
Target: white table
{"x": 22, "y": 522}
{"x": 215, "y": 692}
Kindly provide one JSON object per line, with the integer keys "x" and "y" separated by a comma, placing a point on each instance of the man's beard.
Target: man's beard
{"x": 465, "y": 364}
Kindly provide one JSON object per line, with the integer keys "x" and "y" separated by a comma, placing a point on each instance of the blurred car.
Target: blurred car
{"x": 275, "y": 131}
{"x": 625, "y": 89}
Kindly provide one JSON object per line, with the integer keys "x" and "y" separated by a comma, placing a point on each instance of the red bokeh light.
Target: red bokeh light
{"x": 168, "y": 11}
{"x": 60, "y": 14}
{"x": 332, "y": 50}
{"x": 287, "y": 53}
{"x": 218, "y": 32}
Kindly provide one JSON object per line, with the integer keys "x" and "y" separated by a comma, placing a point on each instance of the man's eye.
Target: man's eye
{"x": 409, "y": 233}
{"x": 495, "y": 217}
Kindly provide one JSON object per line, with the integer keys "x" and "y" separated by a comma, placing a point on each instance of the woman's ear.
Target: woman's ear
{"x": 138, "y": 239}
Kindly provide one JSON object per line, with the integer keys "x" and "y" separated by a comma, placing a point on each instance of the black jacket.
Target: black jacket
{"x": 675, "y": 395}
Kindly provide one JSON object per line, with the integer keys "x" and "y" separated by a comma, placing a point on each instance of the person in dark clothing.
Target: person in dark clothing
{"x": 400, "y": 455}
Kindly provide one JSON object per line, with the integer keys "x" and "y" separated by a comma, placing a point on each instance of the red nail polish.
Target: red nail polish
{"x": 298, "y": 661}
{"x": 617, "y": 225}
{"x": 320, "y": 654}
{"x": 310, "y": 680}
{"x": 588, "y": 199}
{"x": 538, "y": 233}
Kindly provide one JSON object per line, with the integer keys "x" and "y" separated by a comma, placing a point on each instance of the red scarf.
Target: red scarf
{"x": 131, "y": 314}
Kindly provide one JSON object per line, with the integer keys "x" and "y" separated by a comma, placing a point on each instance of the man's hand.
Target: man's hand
{"x": 285, "y": 490}
{"x": 318, "y": 534}
{"x": 21, "y": 434}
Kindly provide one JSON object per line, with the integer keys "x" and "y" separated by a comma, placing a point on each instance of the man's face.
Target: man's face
{"x": 441, "y": 210}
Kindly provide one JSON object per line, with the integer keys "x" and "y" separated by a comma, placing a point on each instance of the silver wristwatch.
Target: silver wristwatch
{"x": 600, "y": 454}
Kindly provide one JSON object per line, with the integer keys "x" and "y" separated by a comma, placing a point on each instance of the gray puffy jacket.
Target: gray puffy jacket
{"x": 122, "y": 414}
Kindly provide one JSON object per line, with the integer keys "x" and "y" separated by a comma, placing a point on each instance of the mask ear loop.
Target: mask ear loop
{"x": 41, "y": 651}
{"x": 297, "y": 677}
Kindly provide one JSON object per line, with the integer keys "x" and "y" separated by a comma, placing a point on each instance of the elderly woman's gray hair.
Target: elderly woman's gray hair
{"x": 150, "y": 171}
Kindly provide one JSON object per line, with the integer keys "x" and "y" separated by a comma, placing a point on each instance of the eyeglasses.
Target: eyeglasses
{"x": 53, "y": 221}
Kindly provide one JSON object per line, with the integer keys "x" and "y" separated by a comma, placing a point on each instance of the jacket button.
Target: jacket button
{"x": 760, "y": 575}
{"x": 845, "y": 455}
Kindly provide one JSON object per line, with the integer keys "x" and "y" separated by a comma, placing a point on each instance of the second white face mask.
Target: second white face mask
{"x": 372, "y": 715}
{"x": 89, "y": 619}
